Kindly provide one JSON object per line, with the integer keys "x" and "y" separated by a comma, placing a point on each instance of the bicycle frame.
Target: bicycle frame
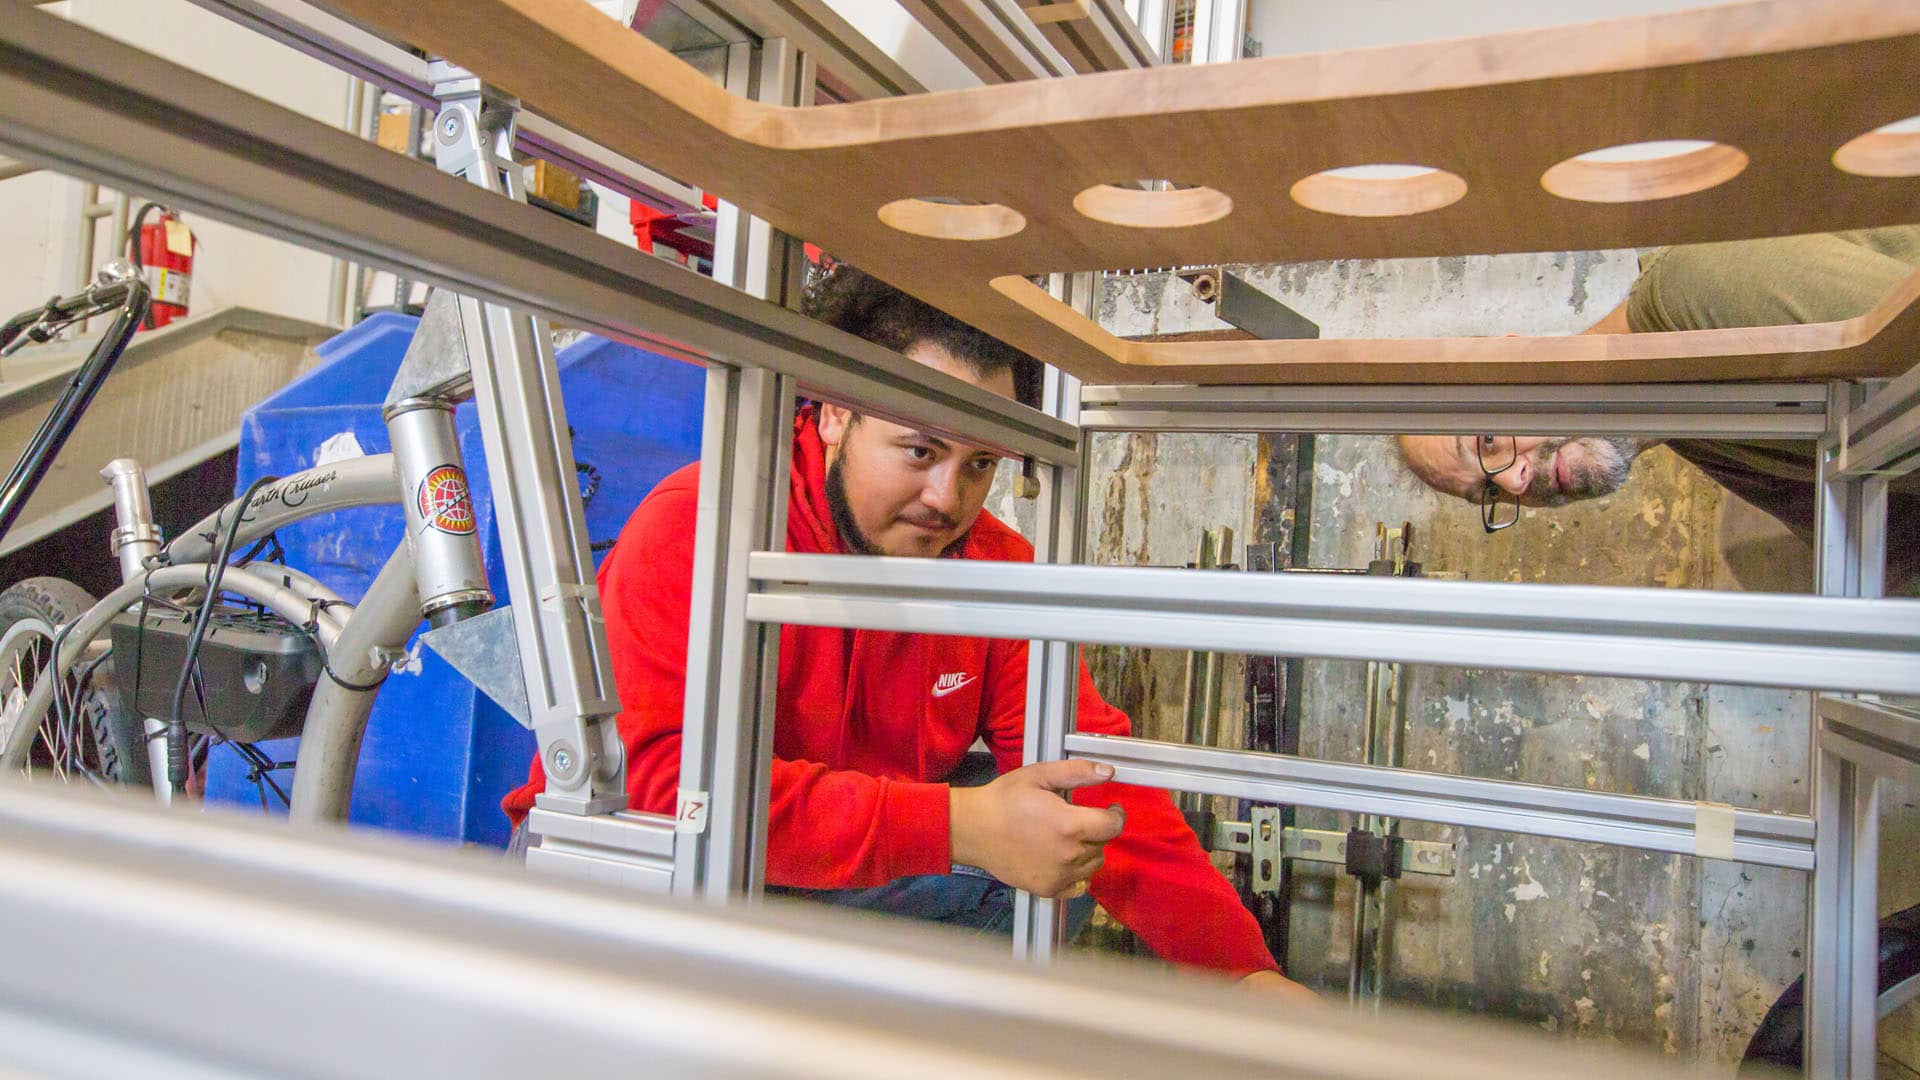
{"x": 436, "y": 572}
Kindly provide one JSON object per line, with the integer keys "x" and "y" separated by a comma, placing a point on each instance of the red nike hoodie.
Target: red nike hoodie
{"x": 869, "y": 721}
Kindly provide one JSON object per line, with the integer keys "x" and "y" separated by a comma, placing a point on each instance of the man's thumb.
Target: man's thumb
{"x": 1068, "y": 775}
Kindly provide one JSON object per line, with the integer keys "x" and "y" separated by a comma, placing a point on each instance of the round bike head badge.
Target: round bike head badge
{"x": 444, "y": 501}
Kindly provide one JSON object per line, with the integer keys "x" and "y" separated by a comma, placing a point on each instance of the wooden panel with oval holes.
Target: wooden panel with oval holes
{"x": 1779, "y": 85}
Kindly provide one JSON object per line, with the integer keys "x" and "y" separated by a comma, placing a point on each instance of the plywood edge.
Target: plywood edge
{"x": 501, "y": 39}
{"x": 1883, "y": 341}
{"x": 1633, "y": 43}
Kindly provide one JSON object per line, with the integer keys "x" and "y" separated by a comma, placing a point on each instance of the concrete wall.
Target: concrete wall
{"x": 1670, "y": 952}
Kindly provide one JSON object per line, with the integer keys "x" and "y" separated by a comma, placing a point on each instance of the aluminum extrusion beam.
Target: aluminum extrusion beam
{"x": 392, "y": 958}
{"x": 1883, "y": 433}
{"x": 90, "y": 106}
{"x": 994, "y": 39}
{"x": 1636, "y": 821}
{"x": 626, "y": 849}
{"x": 1710, "y": 410}
{"x": 852, "y": 66}
{"x": 1101, "y": 37}
{"x": 346, "y": 47}
{"x": 1743, "y": 638}
{"x": 1881, "y": 738}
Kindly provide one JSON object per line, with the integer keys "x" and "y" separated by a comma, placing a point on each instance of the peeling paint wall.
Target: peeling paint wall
{"x": 1597, "y": 942}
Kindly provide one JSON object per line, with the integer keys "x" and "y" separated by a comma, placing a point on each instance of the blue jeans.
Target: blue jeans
{"x": 967, "y": 897}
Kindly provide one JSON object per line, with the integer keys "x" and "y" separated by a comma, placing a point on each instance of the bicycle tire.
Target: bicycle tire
{"x": 1779, "y": 1042}
{"x": 119, "y": 737}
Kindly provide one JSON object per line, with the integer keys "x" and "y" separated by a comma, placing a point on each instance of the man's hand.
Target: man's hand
{"x": 1020, "y": 829}
{"x": 1277, "y": 985}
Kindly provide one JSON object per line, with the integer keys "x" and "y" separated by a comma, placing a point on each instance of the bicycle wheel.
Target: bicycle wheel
{"x": 95, "y": 738}
{"x": 1780, "y": 1040}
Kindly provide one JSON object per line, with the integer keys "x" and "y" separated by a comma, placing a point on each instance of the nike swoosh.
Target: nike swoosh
{"x": 943, "y": 691}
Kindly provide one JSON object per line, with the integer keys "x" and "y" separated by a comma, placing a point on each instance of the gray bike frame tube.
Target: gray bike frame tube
{"x": 361, "y": 481}
{"x": 283, "y": 602}
{"x": 337, "y": 718}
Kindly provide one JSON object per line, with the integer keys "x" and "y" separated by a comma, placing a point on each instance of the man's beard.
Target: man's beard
{"x": 1609, "y": 461}
{"x": 851, "y": 537}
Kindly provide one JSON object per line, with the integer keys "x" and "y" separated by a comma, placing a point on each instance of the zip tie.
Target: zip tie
{"x": 554, "y": 598}
{"x": 1713, "y": 830}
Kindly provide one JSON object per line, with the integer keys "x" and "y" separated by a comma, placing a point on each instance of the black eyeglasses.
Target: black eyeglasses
{"x": 1499, "y": 508}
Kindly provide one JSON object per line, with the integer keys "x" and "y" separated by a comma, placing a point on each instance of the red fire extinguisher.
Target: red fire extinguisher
{"x": 163, "y": 249}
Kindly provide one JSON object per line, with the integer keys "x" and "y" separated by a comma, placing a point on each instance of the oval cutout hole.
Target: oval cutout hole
{"x": 1379, "y": 190}
{"x": 1892, "y": 150}
{"x": 1644, "y": 171}
{"x": 1154, "y": 204}
{"x": 944, "y": 220}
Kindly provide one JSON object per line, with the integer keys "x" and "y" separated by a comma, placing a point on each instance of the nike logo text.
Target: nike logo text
{"x": 951, "y": 682}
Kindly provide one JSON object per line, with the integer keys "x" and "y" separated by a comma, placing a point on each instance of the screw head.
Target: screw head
{"x": 562, "y": 760}
{"x": 450, "y": 126}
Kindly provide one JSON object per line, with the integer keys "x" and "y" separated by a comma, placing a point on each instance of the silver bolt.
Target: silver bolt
{"x": 450, "y": 126}
{"x": 562, "y": 760}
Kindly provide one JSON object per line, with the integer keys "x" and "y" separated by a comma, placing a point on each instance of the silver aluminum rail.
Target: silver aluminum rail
{"x": 1635, "y": 821}
{"x": 346, "y": 47}
{"x": 851, "y": 66}
{"x": 433, "y": 962}
{"x": 1882, "y": 738}
{"x": 994, "y": 39}
{"x": 1883, "y": 433}
{"x": 1742, "y": 638}
{"x": 82, "y": 103}
{"x": 1706, "y": 410}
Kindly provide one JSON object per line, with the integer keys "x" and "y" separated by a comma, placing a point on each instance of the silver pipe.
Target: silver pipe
{"x": 135, "y": 537}
{"x": 337, "y": 717}
{"x": 441, "y": 529}
{"x": 337, "y": 311}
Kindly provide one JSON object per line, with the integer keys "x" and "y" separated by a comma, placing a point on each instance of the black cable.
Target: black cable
{"x": 133, "y": 245}
{"x": 132, "y": 238}
{"x": 176, "y": 727}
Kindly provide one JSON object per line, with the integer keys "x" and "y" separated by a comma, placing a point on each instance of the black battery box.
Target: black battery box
{"x": 257, "y": 670}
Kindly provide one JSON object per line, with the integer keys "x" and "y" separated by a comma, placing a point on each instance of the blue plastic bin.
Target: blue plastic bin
{"x": 438, "y": 754}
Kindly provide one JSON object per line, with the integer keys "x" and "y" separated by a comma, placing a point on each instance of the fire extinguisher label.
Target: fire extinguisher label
{"x": 169, "y": 286}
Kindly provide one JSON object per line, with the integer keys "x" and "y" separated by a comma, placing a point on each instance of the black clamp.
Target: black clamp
{"x": 1371, "y": 858}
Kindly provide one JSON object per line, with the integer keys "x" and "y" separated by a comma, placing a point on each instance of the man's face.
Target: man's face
{"x": 1545, "y": 472}
{"x": 897, "y": 491}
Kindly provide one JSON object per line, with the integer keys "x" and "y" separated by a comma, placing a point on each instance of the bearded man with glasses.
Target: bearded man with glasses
{"x": 1772, "y": 282}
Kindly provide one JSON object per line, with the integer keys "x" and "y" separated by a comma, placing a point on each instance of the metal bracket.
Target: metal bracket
{"x": 1267, "y": 844}
{"x": 485, "y": 649}
{"x": 1241, "y": 305}
{"x": 435, "y": 365}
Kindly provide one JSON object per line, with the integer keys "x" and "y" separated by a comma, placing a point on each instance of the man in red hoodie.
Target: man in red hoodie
{"x": 872, "y": 803}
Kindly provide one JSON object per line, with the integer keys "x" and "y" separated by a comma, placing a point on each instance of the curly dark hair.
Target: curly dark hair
{"x": 847, "y": 297}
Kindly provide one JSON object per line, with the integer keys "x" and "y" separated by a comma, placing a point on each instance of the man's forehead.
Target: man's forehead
{"x": 1448, "y": 462}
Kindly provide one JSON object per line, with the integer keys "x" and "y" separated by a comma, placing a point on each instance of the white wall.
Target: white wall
{"x": 232, "y": 267}
{"x": 1285, "y": 27}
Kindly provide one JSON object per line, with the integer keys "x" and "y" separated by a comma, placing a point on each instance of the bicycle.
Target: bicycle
{"x": 208, "y": 643}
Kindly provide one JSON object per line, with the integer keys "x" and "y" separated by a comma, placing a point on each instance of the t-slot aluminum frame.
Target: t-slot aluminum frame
{"x": 75, "y": 101}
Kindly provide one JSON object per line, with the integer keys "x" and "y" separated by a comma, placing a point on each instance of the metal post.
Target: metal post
{"x": 1842, "y": 978}
{"x": 1053, "y": 667}
{"x": 746, "y": 444}
{"x": 732, "y": 664}
{"x": 563, "y": 646}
